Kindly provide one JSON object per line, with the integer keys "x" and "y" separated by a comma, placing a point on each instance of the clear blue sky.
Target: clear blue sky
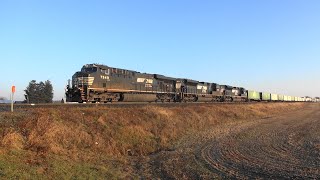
{"x": 269, "y": 45}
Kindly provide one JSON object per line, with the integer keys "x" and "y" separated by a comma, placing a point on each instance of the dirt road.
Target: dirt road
{"x": 282, "y": 147}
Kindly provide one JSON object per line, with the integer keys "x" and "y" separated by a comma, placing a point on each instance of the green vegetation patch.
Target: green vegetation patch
{"x": 25, "y": 165}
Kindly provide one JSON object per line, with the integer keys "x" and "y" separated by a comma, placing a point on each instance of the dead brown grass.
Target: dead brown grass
{"x": 88, "y": 133}
{"x": 82, "y": 132}
{"x": 13, "y": 140}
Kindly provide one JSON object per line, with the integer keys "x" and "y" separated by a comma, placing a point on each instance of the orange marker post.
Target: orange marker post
{"x": 13, "y": 90}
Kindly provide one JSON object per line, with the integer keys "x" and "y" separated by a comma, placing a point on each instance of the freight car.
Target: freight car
{"x": 102, "y": 84}
{"x": 275, "y": 97}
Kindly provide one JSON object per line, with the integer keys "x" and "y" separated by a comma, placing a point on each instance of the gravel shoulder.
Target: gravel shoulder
{"x": 285, "y": 146}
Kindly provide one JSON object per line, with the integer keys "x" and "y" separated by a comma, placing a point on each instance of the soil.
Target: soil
{"x": 284, "y": 146}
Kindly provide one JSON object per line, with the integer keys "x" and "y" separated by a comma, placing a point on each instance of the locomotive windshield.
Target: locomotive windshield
{"x": 89, "y": 69}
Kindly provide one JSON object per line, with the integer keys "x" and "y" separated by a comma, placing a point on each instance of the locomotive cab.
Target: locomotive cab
{"x": 239, "y": 94}
{"x": 81, "y": 82}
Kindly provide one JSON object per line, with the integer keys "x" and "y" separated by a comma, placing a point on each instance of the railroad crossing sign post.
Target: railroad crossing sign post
{"x": 13, "y": 90}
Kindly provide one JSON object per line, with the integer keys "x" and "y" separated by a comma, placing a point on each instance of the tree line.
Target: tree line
{"x": 41, "y": 92}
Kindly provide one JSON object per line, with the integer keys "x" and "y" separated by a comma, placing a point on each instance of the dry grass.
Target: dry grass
{"x": 94, "y": 135}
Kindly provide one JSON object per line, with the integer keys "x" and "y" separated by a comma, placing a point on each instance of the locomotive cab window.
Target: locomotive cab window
{"x": 90, "y": 70}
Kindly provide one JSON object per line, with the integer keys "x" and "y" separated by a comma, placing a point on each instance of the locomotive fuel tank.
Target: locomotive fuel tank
{"x": 139, "y": 97}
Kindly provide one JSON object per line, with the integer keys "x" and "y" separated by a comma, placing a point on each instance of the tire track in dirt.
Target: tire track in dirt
{"x": 282, "y": 147}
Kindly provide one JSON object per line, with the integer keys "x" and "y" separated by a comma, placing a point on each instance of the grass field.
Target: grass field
{"x": 98, "y": 143}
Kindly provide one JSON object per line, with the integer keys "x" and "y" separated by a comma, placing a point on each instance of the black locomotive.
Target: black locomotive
{"x": 100, "y": 83}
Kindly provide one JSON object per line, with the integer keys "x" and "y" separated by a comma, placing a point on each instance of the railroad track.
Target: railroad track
{"x": 7, "y": 107}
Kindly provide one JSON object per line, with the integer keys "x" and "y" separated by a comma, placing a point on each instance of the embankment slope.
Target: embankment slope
{"x": 100, "y": 142}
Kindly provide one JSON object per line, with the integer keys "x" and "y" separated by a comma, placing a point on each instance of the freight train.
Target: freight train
{"x": 97, "y": 83}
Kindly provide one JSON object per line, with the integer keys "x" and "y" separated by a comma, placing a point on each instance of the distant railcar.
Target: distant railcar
{"x": 280, "y": 97}
{"x": 253, "y": 95}
{"x": 274, "y": 97}
{"x": 265, "y": 96}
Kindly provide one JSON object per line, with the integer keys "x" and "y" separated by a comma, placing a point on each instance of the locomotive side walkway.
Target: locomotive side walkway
{"x": 281, "y": 147}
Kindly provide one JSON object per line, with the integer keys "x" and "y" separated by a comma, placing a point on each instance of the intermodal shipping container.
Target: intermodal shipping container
{"x": 253, "y": 95}
{"x": 265, "y": 96}
{"x": 281, "y": 97}
{"x": 274, "y": 97}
